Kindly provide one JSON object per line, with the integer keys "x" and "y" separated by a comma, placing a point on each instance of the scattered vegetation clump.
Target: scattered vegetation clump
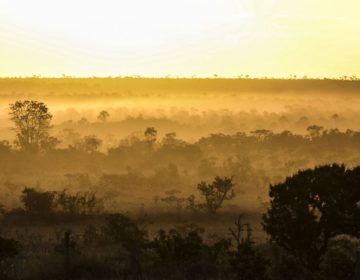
{"x": 220, "y": 190}
{"x": 312, "y": 222}
{"x": 311, "y": 208}
{"x": 75, "y": 204}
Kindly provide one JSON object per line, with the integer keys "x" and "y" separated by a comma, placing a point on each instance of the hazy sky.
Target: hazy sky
{"x": 180, "y": 37}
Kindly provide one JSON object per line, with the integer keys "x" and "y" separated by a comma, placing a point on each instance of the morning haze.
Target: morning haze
{"x": 153, "y": 141}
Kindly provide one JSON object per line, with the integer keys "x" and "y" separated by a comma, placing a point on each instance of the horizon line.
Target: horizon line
{"x": 194, "y": 77}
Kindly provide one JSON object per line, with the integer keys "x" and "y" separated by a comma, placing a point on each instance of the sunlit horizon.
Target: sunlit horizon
{"x": 227, "y": 38}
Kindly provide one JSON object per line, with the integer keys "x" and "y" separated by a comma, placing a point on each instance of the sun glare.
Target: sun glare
{"x": 187, "y": 37}
{"x": 120, "y": 25}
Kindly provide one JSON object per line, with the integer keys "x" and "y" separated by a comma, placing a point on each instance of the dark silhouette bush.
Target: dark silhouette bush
{"x": 214, "y": 194}
{"x": 340, "y": 261}
{"x": 126, "y": 234}
{"x": 9, "y": 248}
{"x": 247, "y": 263}
{"x": 178, "y": 256}
{"x": 312, "y": 207}
{"x": 38, "y": 202}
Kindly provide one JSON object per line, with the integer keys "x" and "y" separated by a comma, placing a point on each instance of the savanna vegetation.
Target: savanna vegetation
{"x": 114, "y": 191}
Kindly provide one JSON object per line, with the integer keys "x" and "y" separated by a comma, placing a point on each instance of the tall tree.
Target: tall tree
{"x": 312, "y": 207}
{"x": 32, "y": 124}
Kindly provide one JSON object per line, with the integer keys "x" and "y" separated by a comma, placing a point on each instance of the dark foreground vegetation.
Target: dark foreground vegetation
{"x": 313, "y": 225}
{"x": 151, "y": 208}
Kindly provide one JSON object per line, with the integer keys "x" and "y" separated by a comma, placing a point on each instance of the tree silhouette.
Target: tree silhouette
{"x": 89, "y": 144}
{"x": 38, "y": 202}
{"x": 80, "y": 203}
{"x": 216, "y": 193}
{"x": 103, "y": 116}
{"x": 311, "y": 208}
{"x": 32, "y": 121}
{"x": 150, "y": 134}
{"x": 179, "y": 254}
{"x": 246, "y": 262}
{"x": 314, "y": 130}
{"x": 125, "y": 232}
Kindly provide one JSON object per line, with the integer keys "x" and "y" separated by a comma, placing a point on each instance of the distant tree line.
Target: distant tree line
{"x": 312, "y": 219}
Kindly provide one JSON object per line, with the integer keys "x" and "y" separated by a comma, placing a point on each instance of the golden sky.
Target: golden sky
{"x": 273, "y": 38}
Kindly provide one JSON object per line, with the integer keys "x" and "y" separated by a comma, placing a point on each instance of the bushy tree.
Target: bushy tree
{"x": 179, "y": 255}
{"x": 314, "y": 131}
{"x": 49, "y": 143}
{"x": 312, "y": 207}
{"x": 150, "y": 134}
{"x": 80, "y": 203}
{"x": 89, "y": 144}
{"x": 215, "y": 193}
{"x": 38, "y": 202}
{"x": 123, "y": 231}
{"x": 103, "y": 116}
{"x": 32, "y": 124}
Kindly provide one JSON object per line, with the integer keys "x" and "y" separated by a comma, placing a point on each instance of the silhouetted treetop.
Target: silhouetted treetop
{"x": 32, "y": 124}
{"x": 312, "y": 207}
{"x": 215, "y": 193}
